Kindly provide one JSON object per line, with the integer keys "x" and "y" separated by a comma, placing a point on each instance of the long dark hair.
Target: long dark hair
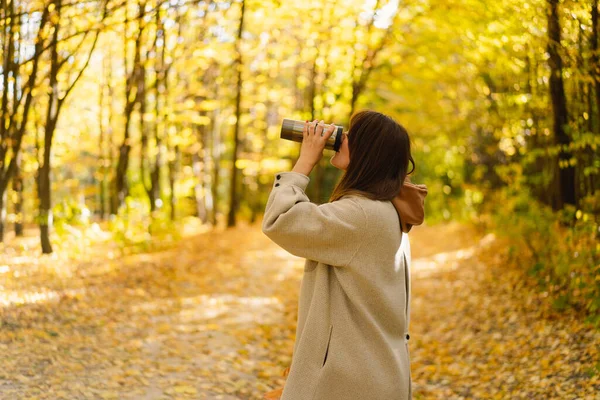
{"x": 379, "y": 156}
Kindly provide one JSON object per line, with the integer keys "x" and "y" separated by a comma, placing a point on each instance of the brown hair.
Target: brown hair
{"x": 380, "y": 152}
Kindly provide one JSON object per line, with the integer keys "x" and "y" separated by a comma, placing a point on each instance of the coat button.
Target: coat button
{"x": 407, "y": 336}
{"x": 278, "y": 176}
{"x": 277, "y": 184}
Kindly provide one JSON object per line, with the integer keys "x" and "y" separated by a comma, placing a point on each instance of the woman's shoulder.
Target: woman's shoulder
{"x": 349, "y": 201}
{"x": 377, "y": 212}
{"x": 365, "y": 201}
{"x": 373, "y": 209}
{"x": 349, "y": 208}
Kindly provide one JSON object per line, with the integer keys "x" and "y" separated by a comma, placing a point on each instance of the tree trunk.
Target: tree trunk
{"x": 17, "y": 182}
{"x": 595, "y": 60}
{"x": 199, "y": 187}
{"x": 216, "y": 175}
{"x": 157, "y": 163}
{"x": 144, "y": 161}
{"x": 199, "y": 169}
{"x": 233, "y": 205}
{"x": 131, "y": 98}
{"x": 55, "y": 103}
{"x": 45, "y": 202}
{"x": 207, "y": 176}
{"x": 595, "y": 65}
{"x": 44, "y": 188}
{"x": 110, "y": 159}
{"x": 579, "y": 109}
{"x": 13, "y": 126}
{"x": 101, "y": 146}
{"x": 256, "y": 200}
{"x": 8, "y": 46}
{"x": 161, "y": 82}
{"x": 315, "y": 190}
{"x": 173, "y": 168}
{"x": 565, "y": 173}
{"x": 2, "y": 214}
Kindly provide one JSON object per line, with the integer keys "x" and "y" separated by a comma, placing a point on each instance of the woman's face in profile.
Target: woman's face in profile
{"x": 341, "y": 158}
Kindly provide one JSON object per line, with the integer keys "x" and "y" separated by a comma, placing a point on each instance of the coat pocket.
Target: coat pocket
{"x": 327, "y": 346}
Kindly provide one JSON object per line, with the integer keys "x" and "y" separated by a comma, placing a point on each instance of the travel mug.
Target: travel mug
{"x": 292, "y": 130}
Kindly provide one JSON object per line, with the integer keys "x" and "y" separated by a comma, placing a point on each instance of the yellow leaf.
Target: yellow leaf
{"x": 185, "y": 389}
{"x": 132, "y": 372}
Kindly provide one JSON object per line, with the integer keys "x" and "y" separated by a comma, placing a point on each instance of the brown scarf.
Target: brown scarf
{"x": 410, "y": 204}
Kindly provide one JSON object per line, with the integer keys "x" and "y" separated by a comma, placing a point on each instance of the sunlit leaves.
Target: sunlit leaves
{"x": 216, "y": 315}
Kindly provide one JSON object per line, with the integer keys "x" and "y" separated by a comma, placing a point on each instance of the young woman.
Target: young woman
{"x": 353, "y": 314}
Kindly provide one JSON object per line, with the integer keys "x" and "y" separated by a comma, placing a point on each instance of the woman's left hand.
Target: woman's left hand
{"x": 313, "y": 142}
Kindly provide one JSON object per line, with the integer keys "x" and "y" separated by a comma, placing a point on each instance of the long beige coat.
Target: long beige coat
{"x": 354, "y": 307}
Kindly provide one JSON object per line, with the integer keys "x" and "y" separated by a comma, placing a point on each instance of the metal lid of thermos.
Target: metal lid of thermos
{"x": 292, "y": 130}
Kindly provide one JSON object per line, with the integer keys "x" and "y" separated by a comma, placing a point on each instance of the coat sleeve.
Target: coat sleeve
{"x": 330, "y": 233}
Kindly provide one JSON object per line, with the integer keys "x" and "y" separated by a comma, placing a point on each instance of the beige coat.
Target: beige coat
{"x": 354, "y": 307}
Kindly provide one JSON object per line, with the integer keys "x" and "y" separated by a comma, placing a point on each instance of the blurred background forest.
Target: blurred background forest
{"x": 138, "y": 120}
{"x": 138, "y": 146}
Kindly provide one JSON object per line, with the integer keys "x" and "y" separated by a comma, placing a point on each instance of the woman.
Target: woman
{"x": 353, "y": 314}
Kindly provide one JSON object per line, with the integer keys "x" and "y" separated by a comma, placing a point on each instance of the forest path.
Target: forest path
{"x": 214, "y": 318}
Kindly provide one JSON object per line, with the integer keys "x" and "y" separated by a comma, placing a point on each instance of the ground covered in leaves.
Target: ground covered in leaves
{"x": 214, "y": 318}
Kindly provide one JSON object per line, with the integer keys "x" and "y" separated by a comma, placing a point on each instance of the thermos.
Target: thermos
{"x": 292, "y": 130}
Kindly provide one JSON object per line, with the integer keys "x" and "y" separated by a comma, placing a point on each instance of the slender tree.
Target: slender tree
{"x": 132, "y": 77}
{"x": 55, "y": 104}
{"x": 564, "y": 183}
{"x": 14, "y": 119}
{"x": 233, "y": 198}
{"x": 595, "y": 60}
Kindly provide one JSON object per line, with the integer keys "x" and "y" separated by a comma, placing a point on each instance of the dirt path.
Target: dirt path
{"x": 215, "y": 318}
{"x": 479, "y": 333}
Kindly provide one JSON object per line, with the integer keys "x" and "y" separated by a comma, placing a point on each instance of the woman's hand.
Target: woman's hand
{"x": 313, "y": 143}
